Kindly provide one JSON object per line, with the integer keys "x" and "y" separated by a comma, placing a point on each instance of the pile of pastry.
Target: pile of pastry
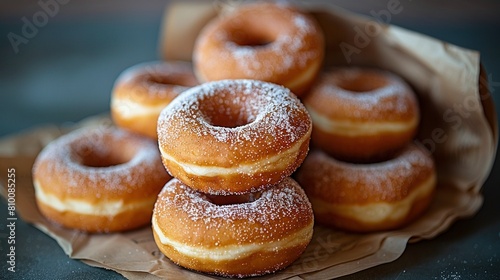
{"x": 234, "y": 129}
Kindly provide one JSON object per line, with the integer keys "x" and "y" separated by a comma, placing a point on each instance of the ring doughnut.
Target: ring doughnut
{"x": 143, "y": 90}
{"x": 258, "y": 234}
{"x": 362, "y": 114}
{"x": 264, "y": 41}
{"x": 99, "y": 179}
{"x": 234, "y": 136}
{"x": 369, "y": 197}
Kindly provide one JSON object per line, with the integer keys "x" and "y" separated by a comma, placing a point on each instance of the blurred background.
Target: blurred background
{"x": 65, "y": 67}
{"x": 60, "y": 58}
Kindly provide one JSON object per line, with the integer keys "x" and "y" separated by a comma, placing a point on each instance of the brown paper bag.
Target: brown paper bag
{"x": 459, "y": 128}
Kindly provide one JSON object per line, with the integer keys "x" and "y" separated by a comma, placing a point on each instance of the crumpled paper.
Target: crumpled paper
{"x": 445, "y": 77}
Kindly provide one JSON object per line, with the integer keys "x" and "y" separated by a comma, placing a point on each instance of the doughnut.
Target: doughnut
{"x": 239, "y": 236}
{"x": 264, "y": 41}
{"x": 362, "y": 114}
{"x": 100, "y": 179}
{"x": 142, "y": 91}
{"x": 371, "y": 196}
{"x": 234, "y": 136}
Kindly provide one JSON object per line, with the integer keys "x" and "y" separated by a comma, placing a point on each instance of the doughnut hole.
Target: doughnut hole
{"x": 225, "y": 112}
{"x": 248, "y": 35}
{"x": 169, "y": 80}
{"x": 233, "y": 199}
{"x": 362, "y": 83}
{"x": 251, "y": 40}
{"x": 93, "y": 155}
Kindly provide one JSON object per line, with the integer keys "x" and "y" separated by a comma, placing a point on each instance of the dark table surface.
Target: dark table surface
{"x": 66, "y": 70}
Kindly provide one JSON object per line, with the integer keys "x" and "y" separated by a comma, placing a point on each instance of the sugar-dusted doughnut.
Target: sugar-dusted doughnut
{"x": 99, "y": 179}
{"x": 264, "y": 41}
{"x": 362, "y": 114}
{"x": 369, "y": 197}
{"x": 234, "y": 136}
{"x": 235, "y": 236}
{"x": 143, "y": 90}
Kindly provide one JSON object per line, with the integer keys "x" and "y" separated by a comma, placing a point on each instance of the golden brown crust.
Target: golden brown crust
{"x": 268, "y": 232}
{"x": 244, "y": 43}
{"x": 345, "y": 195}
{"x": 149, "y": 86}
{"x": 362, "y": 114}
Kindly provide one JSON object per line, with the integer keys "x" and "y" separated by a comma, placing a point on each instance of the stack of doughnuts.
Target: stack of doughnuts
{"x": 232, "y": 208}
{"x": 232, "y": 143}
{"x": 364, "y": 173}
{"x": 206, "y": 152}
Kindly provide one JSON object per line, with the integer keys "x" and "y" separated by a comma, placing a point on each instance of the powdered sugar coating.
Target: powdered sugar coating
{"x": 123, "y": 165}
{"x": 378, "y": 95}
{"x": 263, "y": 41}
{"x": 292, "y": 50}
{"x": 279, "y": 211}
{"x": 268, "y": 117}
{"x": 342, "y": 182}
